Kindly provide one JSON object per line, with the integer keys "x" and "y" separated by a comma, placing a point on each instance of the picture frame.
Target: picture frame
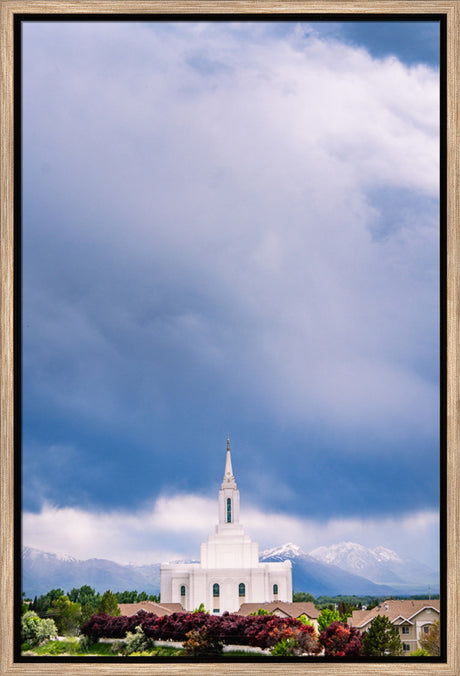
{"x": 9, "y": 355}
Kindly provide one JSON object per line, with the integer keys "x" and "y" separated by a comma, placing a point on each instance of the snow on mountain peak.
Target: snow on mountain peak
{"x": 32, "y": 554}
{"x": 286, "y": 551}
{"x": 384, "y": 554}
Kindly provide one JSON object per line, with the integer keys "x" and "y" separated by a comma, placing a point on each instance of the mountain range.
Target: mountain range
{"x": 346, "y": 568}
{"x": 349, "y": 568}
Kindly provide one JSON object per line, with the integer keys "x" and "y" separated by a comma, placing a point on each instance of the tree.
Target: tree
{"x": 341, "y": 640}
{"x": 109, "y": 604}
{"x": 67, "y": 615}
{"x": 298, "y": 597}
{"x": 34, "y": 630}
{"x": 304, "y": 619}
{"x": 431, "y": 640}
{"x": 382, "y": 638}
{"x": 44, "y": 602}
{"x": 260, "y": 611}
{"x": 326, "y": 617}
{"x": 200, "y": 609}
{"x": 83, "y": 595}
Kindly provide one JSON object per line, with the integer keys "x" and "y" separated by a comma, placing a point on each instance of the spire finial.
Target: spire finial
{"x": 229, "y": 479}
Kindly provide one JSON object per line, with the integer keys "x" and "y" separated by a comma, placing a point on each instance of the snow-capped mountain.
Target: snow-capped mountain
{"x": 346, "y": 568}
{"x": 380, "y": 564}
{"x": 42, "y": 571}
{"x": 318, "y": 578}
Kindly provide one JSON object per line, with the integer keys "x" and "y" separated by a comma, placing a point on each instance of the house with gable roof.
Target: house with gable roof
{"x": 413, "y": 617}
{"x": 129, "y": 609}
{"x": 293, "y": 609}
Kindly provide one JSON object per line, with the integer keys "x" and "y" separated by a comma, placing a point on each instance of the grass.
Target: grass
{"x": 71, "y": 647}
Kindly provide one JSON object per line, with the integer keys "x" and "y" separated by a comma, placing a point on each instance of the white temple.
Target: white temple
{"x": 229, "y": 573}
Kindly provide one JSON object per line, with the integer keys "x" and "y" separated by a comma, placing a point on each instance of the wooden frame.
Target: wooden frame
{"x": 449, "y": 8}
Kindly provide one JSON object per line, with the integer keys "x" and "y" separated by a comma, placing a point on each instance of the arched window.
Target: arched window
{"x": 182, "y": 590}
{"x": 229, "y": 510}
{"x": 241, "y": 589}
{"x": 215, "y": 589}
{"x": 275, "y": 589}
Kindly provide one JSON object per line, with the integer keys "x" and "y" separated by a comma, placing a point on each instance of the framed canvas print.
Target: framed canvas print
{"x": 229, "y": 432}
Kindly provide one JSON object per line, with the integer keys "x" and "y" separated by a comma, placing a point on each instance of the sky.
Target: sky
{"x": 230, "y": 228}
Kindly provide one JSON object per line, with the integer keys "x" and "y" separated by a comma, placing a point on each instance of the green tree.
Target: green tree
{"x": 200, "y": 609}
{"x": 261, "y": 611}
{"x": 44, "y": 602}
{"x": 35, "y": 630}
{"x": 327, "y": 617}
{"x": 109, "y": 604}
{"x": 382, "y": 638}
{"x": 302, "y": 597}
{"x": 431, "y": 640}
{"x": 83, "y": 595}
{"x": 304, "y": 619}
{"x": 67, "y": 615}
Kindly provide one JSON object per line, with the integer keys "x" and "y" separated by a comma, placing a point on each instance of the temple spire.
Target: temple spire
{"x": 229, "y": 479}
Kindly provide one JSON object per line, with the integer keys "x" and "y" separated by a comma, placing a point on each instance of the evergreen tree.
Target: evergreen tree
{"x": 382, "y": 638}
{"x": 109, "y": 604}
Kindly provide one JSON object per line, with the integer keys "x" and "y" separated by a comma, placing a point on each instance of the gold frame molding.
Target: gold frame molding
{"x": 9, "y": 8}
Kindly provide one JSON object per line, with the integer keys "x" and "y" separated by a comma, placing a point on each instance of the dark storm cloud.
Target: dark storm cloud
{"x": 225, "y": 233}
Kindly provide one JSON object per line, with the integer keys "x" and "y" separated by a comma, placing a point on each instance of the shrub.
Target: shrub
{"x": 228, "y": 628}
{"x": 285, "y": 647}
{"x": 84, "y": 643}
{"x": 201, "y": 642}
{"x": 137, "y": 641}
{"x": 296, "y": 640}
{"x": 420, "y": 652}
{"x": 34, "y": 630}
{"x": 340, "y": 640}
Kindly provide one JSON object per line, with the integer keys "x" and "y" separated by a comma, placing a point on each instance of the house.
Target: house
{"x": 412, "y": 617}
{"x": 129, "y": 609}
{"x": 284, "y": 609}
{"x": 229, "y": 573}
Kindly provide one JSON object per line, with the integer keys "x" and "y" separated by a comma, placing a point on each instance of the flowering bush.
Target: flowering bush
{"x": 201, "y": 642}
{"x": 293, "y": 640}
{"x": 341, "y": 640}
{"x": 263, "y": 631}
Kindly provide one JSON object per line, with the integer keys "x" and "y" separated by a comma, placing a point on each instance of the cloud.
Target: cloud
{"x": 207, "y": 240}
{"x": 173, "y": 526}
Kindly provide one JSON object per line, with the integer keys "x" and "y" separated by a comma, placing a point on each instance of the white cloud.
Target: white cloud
{"x": 174, "y": 526}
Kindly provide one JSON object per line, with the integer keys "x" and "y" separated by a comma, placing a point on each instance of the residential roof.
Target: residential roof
{"x": 397, "y": 611}
{"x": 295, "y": 609}
{"x": 150, "y": 607}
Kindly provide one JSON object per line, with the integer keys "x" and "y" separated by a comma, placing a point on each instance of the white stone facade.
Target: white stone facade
{"x": 229, "y": 573}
